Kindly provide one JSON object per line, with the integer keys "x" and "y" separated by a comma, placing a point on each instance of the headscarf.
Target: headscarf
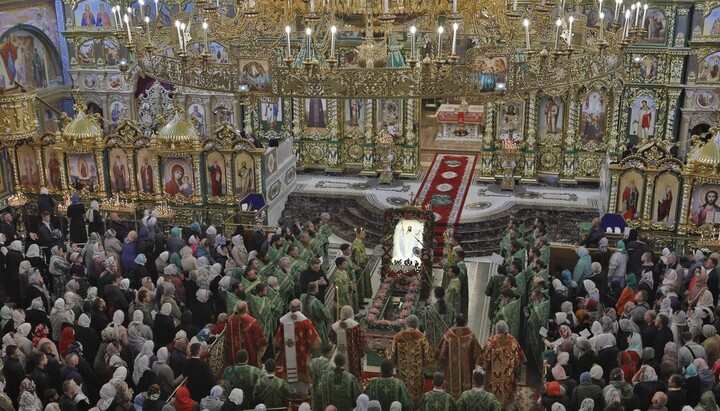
{"x": 670, "y": 277}
{"x": 75, "y": 198}
{"x": 396, "y": 406}
{"x": 620, "y": 247}
{"x": 125, "y": 283}
{"x": 588, "y": 404}
{"x": 18, "y": 317}
{"x": 216, "y": 392}
{"x": 557, "y": 407}
{"x": 107, "y": 396}
{"x": 670, "y": 353}
{"x": 140, "y": 259}
{"x": 41, "y": 332}
{"x": 596, "y": 372}
{"x": 305, "y": 406}
{"x": 699, "y": 285}
{"x": 67, "y": 338}
{"x": 164, "y": 256}
{"x": 16, "y": 246}
{"x": 361, "y": 403}
{"x": 236, "y": 396}
{"x": 374, "y": 405}
{"x": 202, "y": 295}
{"x": 605, "y": 341}
{"x": 84, "y": 321}
{"x": 700, "y": 364}
{"x": 690, "y": 371}
{"x": 142, "y": 364}
{"x": 33, "y": 251}
{"x": 182, "y": 401}
{"x": 708, "y": 330}
{"x": 166, "y": 309}
{"x": 558, "y": 373}
{"x": 631, "y": 281}
{"x": 118, "y": 317}
{"x": 559, "y": 287}
{"x": 585, "y": 377}
{"x": 44, "y": 190}
{"x": 120, "y": 374}
{"x": 635, "y": 343}
{"x": 650, "y": 374}
{"x": 37, "y": 304}
{"x": 6, "y": 314}
{"x": 90, "y": 215}
{"x": 162, "y": 355}
{"x": 707, "y": 400}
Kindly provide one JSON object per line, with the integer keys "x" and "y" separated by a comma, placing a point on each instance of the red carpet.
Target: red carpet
{"x": 445, "y": 187}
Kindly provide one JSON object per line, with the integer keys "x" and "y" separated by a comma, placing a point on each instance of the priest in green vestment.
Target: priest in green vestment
{"x": 322, "y": 364}
{"x": 323, "y": 235}
{"x": 359, "y": 255}
{"x": 261, "y": 308}
{"x": 437, "y": 318}
{"x": 316, "y": 311}
{"x": 250, "y": 279}
{"x": 387, "y": 389}
{"x": 476, "y": 398}
{"x": 452, "y": 292}
{"x": 510, "y": 313}
{"x": 464, "y": 286}
{"x": 337, "y": 387}
{"x": 242, "y": 376}
{"x": 305, "y": 247}
{"x": 271, "y": 390}
{"x": 544, "y": 247}
{"x": 492, "y": 291}
{"x": 343, "y": 287}
{"x": 536, "y": 314}
{"x": 276, "y": 248}
{"x": 437, "y": 399}
{"x": 273, "y": 294}
{"x": 353, "y": 270}
{"x": 289, "y": 283}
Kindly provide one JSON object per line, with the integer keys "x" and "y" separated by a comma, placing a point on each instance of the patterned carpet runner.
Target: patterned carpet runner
{"x": 445, "y": 186}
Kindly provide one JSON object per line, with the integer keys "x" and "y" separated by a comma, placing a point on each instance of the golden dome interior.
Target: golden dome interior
{"x": 178, "y": 130}
{"x": 83, "y": 127}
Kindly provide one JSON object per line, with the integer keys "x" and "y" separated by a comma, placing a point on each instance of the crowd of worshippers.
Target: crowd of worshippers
{"x": 623, "y": 329}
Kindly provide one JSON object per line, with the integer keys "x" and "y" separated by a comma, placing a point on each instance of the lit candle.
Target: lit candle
{"x": 157, "y": 10}
{"x": 182, "y": 36}
{"x": 177, "y": 26}
{"x": 440, "y": 32}
{"x": 113, "y": 9}
{"x": 569, "y": 40}
{"x": 558, "y": 23}
{"x": 602, "y": 24}
{"x": 645, "y": 7}
{"x": 333, "y": 30}
{"x": 147, "y": 22}
{"x": 455, "y": 29}
{"x": 386, "y": 6}
{"x": 287, "y": 32}
{"x": 562, "y": 5}
{"x": 312, "y": 6}
{"x": 141, "y": 3}
{"x": 617, "y": 9}
{"x": 454, "y": 6}
{"x": 413, "y": 30}
{"x": 308, "y": 31}
{"x": 119, "y": 17}
{"x": 526, "y": 23}
{"x": 127, "y": 24}
{"x": 627, "y": 22}
{"x": 205, "y": 30}
{"x": 637, "y": 13}
{"x": 599, "y": 5}
{"x": 514, "y": 4}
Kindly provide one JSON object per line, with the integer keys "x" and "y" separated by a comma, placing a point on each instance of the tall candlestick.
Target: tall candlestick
{"x": 440, "y": 32}
{"x": 514, "y": 4}
{"x": 569, "y": 40}
{"x": 312, "y": 6}
{"x": 141, "y": 4}
{"x": 205, "y": 31}
{"x": 562, "y": 5}
{"x": 413, "y": 30}
{"x": 386, "y": 6}
{"x": 147, "y": 22}
{"x": 558, "y": 23}
{"x": 645, "y": 7}
{"x": 157, "y": 10}
{"x": 628, "y": 13}
{"x": 177, "y": 25}
{"x": 617, "y": 9}
{"x": 287, "y": 32}
{"x": 308, "y": 31}
{"x": 127, "y": 24}
{"x": 599, "y": 6}
{"x": 333, "y": 30}
{"x": 114, "y": 16}
{"x": 526, "y": 23}
{"x": 182, "y": 36}
{"x": 454, "y": 6}
{"x": 637, "y": 13}
{"x": 455, "y": 30}
{"x": 118, "y": 17}
{"x": 602, "y": 24}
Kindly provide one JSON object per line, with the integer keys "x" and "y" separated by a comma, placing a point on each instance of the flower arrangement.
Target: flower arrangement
{"x": 412, "y": 288}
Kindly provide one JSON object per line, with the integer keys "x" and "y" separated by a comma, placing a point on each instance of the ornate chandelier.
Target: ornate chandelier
{"x": 377, "y": 48}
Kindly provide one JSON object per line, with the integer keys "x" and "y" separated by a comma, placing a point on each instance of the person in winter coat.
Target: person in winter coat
{"x": 95, "y": 220}
{"x": 76, "y": 215}
{"x": 129, "y": 252}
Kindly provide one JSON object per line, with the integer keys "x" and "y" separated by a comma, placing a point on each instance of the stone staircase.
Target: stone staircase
{"x": 480, "y": 238}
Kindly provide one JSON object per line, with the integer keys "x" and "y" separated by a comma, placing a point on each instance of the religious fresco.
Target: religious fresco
{"x": 704, "y": 206}
{"x": 271, "y": 115}
{"x": 316, "y": 115}
{"x": 145, "y": 171}
{"x": 255, "y": 73}
{"x": 490, "y": 71}
{"x": 27, "y": 168}
{"x": 709, "y": 71}
{"x": 218, "y": 53}
{"x": 52, "y": 167}
{"x": 93, "y": 13}
{"x": 38, "y": 15}
{"x": 552, "y": 116}
{"x": 630, "y": 198}
{"x": 196, "y": 115}
{"x": 111, "y": 53}
{"x": 86, "y": 53}
{"x": 656, "y": 25}
{"x": 119, "y": 171}
{"x": 390, "y": 116}
{"x": 355, "y": 115}
{"x": 593, "y": 116}
{"x": 648, "y": 68}
{"x": 594, "y": 17}
{"x": 244, "y": 175}
{"x": 82, "y": 171}
{"x": 271, "y": 161}
{"x": 665, "y": 200}
{"x": 215, "y": 175}
{"x": 711, "y": 24}
{"x": 704, "y": 99}
{"x": 510, "y": 120}
{"x": 177, "y": 176}
{"x": 6, "y": 183}
{"x": 25, "y": 59}
{"x": 643, "y": 118}
{"x": 118, "y": 111}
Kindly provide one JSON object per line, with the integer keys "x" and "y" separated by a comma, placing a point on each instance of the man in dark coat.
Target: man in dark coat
{"x": 199, "y": 375}
{"x": 13, "y": 372}
{"x": 635, "y": 250}
{"x": 114, "y": 295}
{"x": 121, "y": 231}
{"x": 7, "y": 227}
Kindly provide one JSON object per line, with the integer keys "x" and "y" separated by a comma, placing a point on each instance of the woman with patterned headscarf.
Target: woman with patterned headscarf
{"x": 628, "y": 294}
{"x": 29, "y": 400}
{"x": 59, "y": 315}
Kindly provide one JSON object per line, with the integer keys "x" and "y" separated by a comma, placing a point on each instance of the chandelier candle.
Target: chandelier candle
{"x": 440, "y": 32}
{"x": 514, "y": 4}
{"x": 455, "y": 29}
{"x": 602, "y": 24}
{"x": 454, "y": 6}
{"x": 141, "y": 3}
{"x": 205, "y": 30}
{"x": 617, "y": 9}
{"x": 637, "y": 13}
{"x": 127, "y": 24}
{"x": 147, "y": 22}
{"x": 312, "y": 6}
{"x": 526, "y": 23}
{"x": 157, "y": 10}
{"x": 628, "y": 13}
{"x": 558, "y": 23}
{"x": 413, "y": 30}
{"x": 386, "y": 6}
{"x": 569, "y": 39}
{"x": 333, "y": 30}
{"x": 308, "y": 31}
{"x": 287, "y": 32}
{"x": 645, "y": 7}
{"x": 182, "y": 37}
{"x": 177, "y": 25}
{"x": 113, "y": 9}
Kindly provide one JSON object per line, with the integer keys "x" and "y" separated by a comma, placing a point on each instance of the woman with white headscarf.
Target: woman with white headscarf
{"x": 23, "y": 275}
{"x": 5, "y": 316}
{"x": 13, "y": 258}
{"x": 239, "y": 252}
{"x": 120, "y": 330}
{"x": 138, "y": 333}
{"x": 234, "y": 401}
{"x": 142, "y": 363}
{"x": 361, "y": 403}
{"x": 164, "y": 372}
{"x": 73, "y": 300}
{"x": 95, "y": 220}
{"x": 107, "y": 396}
{"x": 164, "y": 329}
{"x": 213, "y": 402}
{"x": 37, "y": 289}
{"x": 59, "y": 315}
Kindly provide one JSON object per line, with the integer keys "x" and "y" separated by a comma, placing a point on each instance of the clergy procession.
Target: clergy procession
{"x": 118, "y": 319}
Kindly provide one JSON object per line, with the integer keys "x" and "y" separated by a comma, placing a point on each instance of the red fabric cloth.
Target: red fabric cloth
{"x": 357, "y": 343}
{"x": 628, "y": 295}
{"x": 182, "y": 401}
{"x": 244, "y": 332}
{"x": 306, "y": 341}
{"x": 67, "y": 338}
